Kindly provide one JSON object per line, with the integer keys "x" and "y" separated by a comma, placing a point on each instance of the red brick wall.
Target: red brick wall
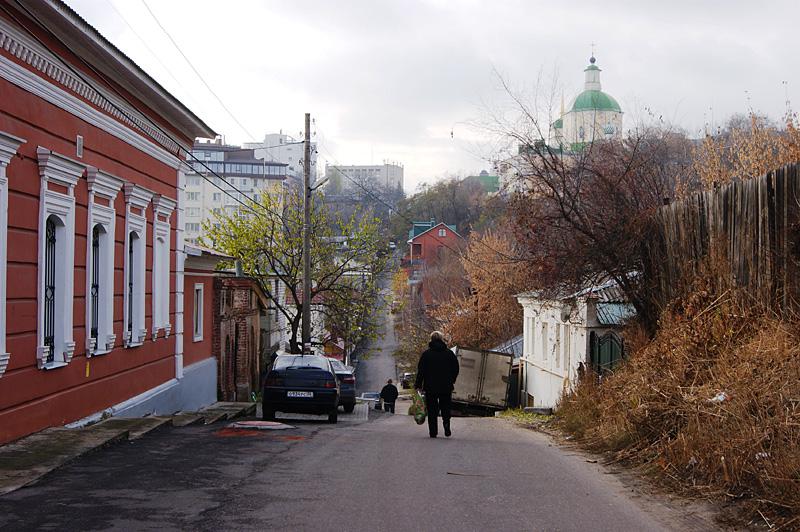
{"x": 32, "y": 399}
{"x": 193, "y": 351}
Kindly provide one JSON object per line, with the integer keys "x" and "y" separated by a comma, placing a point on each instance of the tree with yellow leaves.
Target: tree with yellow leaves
{"x": 749, "y": 146}
{"x": 489, "y": 314}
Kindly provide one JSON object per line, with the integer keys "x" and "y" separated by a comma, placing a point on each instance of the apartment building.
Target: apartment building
{"x": 223, "y": 178}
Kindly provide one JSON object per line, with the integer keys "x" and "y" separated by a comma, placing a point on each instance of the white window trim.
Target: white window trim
{"x": 162, "y": 209}
{"x": 136, "y": 197}
{"x": 62, "y": 171}
{"x": 197, "y": 316}
{"x": 9, "y": 144}
{"x": 105, "y": 186}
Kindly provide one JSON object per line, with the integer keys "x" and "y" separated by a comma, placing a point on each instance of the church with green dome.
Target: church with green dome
{"x": 592, "y": 115}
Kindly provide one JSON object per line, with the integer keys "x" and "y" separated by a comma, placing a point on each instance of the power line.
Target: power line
{"x": 197, "y": 73}
{"x": 147, "y": 46}
{"x": 124, "y": 113}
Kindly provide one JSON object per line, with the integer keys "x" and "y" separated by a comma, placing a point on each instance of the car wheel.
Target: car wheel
{"x": 348, "y": 408}
{"x": 333, "y": 417}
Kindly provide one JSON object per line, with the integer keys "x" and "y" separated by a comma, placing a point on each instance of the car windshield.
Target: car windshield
{"x": 300, "y": 362}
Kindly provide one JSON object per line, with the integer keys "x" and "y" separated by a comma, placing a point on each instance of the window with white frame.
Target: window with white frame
{"x": 55, "y": 345}
{"x": 442, "y": 232}
{"x": 136, "y": 200}
{"x": 544, "y": 340}
{"x": 100, "y": 245}
{"x": 8, "y": 148}
{"x": 162, "y": 210}
{"x": 198, "y": 312}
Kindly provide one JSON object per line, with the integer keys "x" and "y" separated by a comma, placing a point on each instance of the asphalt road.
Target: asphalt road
{"x": 372, "y": 471}
{"x": 382, "y": 474}
{"x": 372, "y": 373}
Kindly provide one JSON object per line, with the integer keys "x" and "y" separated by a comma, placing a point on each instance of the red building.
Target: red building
{"x": 429, "y": 246}
{"x": 91, "y": 237}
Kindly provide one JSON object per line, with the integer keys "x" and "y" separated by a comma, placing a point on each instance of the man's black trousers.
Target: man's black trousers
{"x": 436, "y": 403}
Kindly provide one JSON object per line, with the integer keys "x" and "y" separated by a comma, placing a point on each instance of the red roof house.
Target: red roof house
{"x": 425, "y": 251}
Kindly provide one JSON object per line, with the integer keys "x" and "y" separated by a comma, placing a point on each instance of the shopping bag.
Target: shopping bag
{"x": 417, "y": 408}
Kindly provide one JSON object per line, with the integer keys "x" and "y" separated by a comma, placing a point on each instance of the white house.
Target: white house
{"x": 565, "y": 336}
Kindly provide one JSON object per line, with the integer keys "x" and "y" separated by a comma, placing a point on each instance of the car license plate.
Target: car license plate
{"x": 299, "y": 394}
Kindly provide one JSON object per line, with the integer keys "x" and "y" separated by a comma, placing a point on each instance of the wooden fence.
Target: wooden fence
{"x": 753, "y": 225}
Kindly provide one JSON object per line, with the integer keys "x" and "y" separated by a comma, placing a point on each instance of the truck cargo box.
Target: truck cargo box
{"x": 483, "y": 377}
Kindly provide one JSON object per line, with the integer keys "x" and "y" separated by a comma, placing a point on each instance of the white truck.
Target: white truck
{"x": 483, "y": 379}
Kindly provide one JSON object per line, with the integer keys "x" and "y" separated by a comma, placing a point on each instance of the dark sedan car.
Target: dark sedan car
{"x": 347, "y": 385}
{"x": 301, "y": 384}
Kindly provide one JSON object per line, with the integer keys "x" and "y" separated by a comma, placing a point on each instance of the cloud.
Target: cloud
{"x": 389, "y": 80}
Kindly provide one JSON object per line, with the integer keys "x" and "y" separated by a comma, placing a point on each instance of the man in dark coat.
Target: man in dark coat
{"x": 436, "y": 374}
{"x": 389, "y": 395}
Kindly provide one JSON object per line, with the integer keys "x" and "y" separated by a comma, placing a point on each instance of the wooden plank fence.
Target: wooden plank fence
{"x": 753, "y": 225}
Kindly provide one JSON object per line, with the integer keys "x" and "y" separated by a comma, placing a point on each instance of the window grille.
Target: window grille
{"x": 50, "y": 287}
{"x": 95, "y": 288}
{"x": 130, "y": 283}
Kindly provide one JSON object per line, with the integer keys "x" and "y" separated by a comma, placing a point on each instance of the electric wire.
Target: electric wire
{"x": 147, "y": 46}
{"x": 124, "y": 113}
{"x": 197, "y": 73}
{"x": 189, "y": 152}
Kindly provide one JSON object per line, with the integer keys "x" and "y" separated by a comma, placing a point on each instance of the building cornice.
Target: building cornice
{"x": 53, "y": 83}
{"x": 9, "y": 144}
{"x": 103, "y": 184}
{"x": 163, "y": 206}
{"x": 137, "y": 196}
{"x": 56, "y": 168}
{"x": 85, "y": 41}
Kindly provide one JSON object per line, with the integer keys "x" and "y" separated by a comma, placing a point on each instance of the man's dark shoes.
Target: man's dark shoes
{"x": 447, "y": 432}
{"x": 432, "y": 435}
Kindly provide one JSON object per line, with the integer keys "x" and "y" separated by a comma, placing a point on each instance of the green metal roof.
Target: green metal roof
{"x": 558, "y": 124}
{"x": 591, "y": 67}
{"x": 595, "y": 101}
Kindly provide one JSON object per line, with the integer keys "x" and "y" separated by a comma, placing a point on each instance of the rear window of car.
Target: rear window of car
{"x": 301, "y": 361}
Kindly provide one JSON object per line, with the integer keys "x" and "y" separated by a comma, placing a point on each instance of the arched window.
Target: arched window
{"x": 50, "y": 284}
{"x": 94, "y": 289}
{"x": 56, "y": 265}
{"x": 133, "y": 243}
{"x": 100, "y": 261}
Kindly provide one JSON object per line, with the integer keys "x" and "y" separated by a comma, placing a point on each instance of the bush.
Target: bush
{"x": 713, "y": 401}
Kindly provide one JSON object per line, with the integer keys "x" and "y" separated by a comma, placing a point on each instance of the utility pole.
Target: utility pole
{"x": 306, "y": 319}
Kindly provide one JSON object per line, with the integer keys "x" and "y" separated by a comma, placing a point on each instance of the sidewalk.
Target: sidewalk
{"x": 26, "y": 460}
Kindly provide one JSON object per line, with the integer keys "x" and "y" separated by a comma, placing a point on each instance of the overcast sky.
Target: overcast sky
{"x": 392, "y": 79}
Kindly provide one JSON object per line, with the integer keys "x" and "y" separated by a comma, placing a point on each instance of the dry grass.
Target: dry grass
{"x": 657, "y": 410}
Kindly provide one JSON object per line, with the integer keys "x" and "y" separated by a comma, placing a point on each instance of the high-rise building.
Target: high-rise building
{"x": 239, "y": 174}
{"x": 388, "y": 176}
{"x": 282, "y": 148}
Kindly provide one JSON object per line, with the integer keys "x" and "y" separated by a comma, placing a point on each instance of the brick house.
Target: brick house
{"x": 242, "y": 332}
{"x": 91, "y": 236}
{"x": 429, "y": 245}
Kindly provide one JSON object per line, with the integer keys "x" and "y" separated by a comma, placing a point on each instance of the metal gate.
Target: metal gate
{"x": 607, "y": 351}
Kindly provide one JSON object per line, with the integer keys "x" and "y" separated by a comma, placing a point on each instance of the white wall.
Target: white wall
{"x": 552, "y": 349}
